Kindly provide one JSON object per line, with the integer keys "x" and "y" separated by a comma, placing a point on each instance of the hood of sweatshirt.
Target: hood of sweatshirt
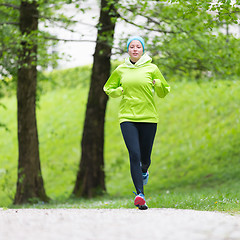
{"x": 143, "y": 60}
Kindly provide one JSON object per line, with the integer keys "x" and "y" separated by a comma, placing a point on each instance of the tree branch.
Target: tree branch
{"x": 149, "y": 20}
{"x": 64, "y": 25}
{"x": 80, "y": 40}
{"x": 9, "y": 23}
{"x": 9, "y": 5}
{"x": 68, "y": 21}
{"x": 68, "y": 40}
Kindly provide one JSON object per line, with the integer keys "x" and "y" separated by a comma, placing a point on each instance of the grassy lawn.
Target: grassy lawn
{"x": 195, "y": 160}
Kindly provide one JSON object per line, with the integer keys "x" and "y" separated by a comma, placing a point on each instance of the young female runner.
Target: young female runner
{"x": 136, "y": 81}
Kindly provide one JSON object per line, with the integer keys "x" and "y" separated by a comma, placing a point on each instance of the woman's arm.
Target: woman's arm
{"x": 160, "y": 84}
{"x": 112, "y": 86}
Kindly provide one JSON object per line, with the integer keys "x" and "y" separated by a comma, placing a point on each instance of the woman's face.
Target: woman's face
{"x": 135, "y": 50}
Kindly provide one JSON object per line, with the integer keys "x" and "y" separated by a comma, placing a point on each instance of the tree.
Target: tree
{"x": 186, "y": 38}
{"x": 24, "y": 53}
{"x": 90, "y": 177}
{"x": 8, "y": 48}
{"x": 30, "y": 182}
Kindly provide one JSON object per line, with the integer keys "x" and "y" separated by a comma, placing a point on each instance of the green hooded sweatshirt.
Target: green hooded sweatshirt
{"x": 134, "y": 83}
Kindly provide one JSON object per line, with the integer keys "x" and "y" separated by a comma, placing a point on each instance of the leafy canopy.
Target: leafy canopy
{"x": 190, "y": 39}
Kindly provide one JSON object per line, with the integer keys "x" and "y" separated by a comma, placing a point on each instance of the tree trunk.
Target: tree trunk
{"x": 30, "y": 185}
{"x": 90, "y": 177}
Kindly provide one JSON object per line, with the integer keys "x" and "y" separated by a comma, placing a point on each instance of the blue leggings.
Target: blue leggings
{"x": 139, "y": 138}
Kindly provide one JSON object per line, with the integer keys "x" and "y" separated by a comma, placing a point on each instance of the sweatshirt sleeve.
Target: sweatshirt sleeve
{"x": 161, "y": 86}
{"x": 113, "y": 87}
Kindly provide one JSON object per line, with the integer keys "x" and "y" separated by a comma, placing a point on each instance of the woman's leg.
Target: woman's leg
{"x": 131, "y": 137}
{"x": 147, "y": 132}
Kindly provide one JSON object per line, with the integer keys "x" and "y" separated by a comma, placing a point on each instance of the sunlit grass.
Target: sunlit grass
{"x": 204, "y": 199}
{"x": 195, "y": 160}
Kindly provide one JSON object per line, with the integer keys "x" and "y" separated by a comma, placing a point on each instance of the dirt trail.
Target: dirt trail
{"x": 116, "y": 224}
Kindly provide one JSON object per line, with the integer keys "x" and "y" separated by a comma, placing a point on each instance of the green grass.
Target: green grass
{"x": 195, "y": 160}
{"x": 198, "y": 199}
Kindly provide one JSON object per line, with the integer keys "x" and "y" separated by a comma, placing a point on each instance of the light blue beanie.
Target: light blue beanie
{"x": 136, "y": 38}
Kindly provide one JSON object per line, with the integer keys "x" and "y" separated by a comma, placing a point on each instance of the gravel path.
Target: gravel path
{"x": 116, "y": 224}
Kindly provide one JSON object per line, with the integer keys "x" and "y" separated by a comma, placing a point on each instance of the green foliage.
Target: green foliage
{"x": 188, "y": 39}
{"x": 195, "y": 156}
{"x": 11, "y": 39}
{"x": 8, "y": 38}
{"x": 50, "y": 15}
{"x": 66, "y": 78}
{"x": 226, "y": 10}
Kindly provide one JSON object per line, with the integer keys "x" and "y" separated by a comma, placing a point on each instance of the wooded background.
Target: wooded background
{"x": 190, "y": 40}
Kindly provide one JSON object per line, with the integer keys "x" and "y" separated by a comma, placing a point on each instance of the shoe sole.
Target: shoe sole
{"x": 143, "y": 207}
{"x": 140, "y": 203}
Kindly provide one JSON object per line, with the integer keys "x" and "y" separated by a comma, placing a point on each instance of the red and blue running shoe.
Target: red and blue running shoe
{"x": 140, "y": 202}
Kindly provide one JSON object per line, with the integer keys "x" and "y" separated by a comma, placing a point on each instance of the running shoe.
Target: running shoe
{"x": 140, "y": 202}
{"x": 145, "y": 178}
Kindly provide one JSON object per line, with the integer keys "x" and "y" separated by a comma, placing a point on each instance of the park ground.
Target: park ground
{"x": 116, "y": 224}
